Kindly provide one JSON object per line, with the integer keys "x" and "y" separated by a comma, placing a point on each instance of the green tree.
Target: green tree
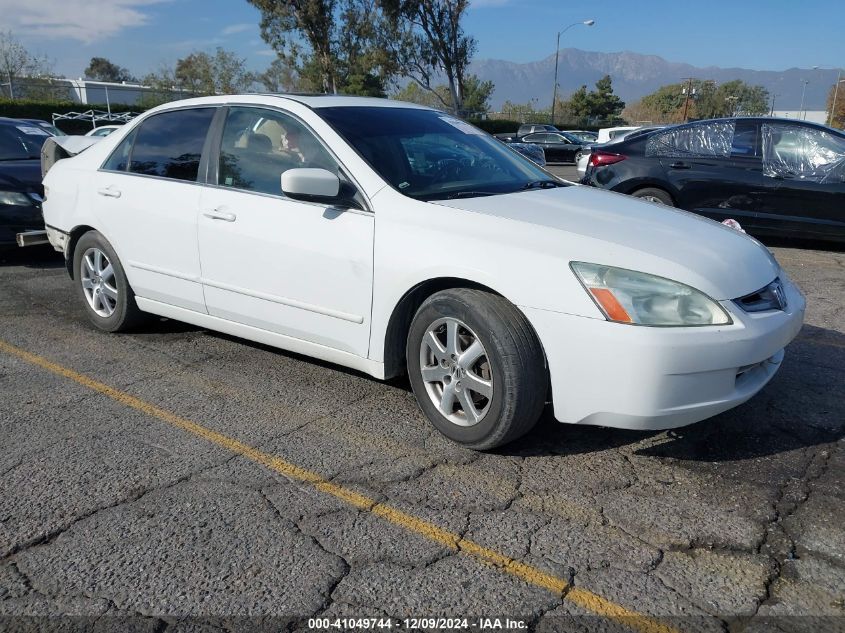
{"x": 280, "y": 76}
{"x": 202, "y": 73}
{"x": 102, "y": 69}
{"x": 602, "y": 102}
{"x": 476, "y": 93}
{"x": 334, "y": 45}
{"x": 427, "y": 41}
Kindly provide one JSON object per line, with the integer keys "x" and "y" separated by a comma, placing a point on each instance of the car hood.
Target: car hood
{"x": 616, "y": 230}
{"x": 21, "y": 175}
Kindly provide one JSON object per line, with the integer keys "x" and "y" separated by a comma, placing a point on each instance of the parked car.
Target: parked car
{"x": 607, "y": 134}
{"x": 584, "y": 135}
{"x": 48, "y": 127}
{"x": 774, "y": 176}
{"x": 557, "y": 147}
{"x": 20, "y": 178}
{"x": 582, "y": 157}
{"x": 103, "y": 130}
{"x": 531, "y": 151}
{"x": 530, "y": 128}
{"x": 319, "y": 224}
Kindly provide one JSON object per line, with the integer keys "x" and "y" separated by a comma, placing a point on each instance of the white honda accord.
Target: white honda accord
{"x": 388, "y": 237}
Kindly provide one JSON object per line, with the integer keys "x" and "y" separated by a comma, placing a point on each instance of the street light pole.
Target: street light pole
{"x": 801, "y": 114}
{"x": 557, "y": 55}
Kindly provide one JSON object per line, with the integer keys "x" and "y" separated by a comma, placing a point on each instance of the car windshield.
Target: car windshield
{"x": 430, "y": 155}
{"x": 19, "y": 142}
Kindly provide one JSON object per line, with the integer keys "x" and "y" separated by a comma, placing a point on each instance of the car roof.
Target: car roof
{"x": 313, "y": 101}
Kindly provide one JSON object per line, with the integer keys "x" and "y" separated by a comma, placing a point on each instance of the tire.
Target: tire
{"x": 510, "y": 373}
{"x": 114, "y": 309}
{"x": 653, "y": 194}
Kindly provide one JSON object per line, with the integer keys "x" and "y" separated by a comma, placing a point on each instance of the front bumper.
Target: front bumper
{"x": 649, "y": 378}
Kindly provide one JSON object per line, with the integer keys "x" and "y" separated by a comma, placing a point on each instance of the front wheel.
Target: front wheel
{"x": 476, "y": 368}
{"x": 102, "y": 285}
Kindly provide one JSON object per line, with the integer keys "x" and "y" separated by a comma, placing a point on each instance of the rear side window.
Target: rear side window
{"x": 700, "y": 140}
{"x": 169, "y": 145}
{"x": 119, "y": 159}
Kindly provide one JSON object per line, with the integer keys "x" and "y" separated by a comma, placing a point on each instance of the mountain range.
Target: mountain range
{"x": 636, "y": 75}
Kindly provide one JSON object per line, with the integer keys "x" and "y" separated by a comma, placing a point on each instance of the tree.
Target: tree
{"x": 16, "y": 61}
{"x": 600, "y": 103}
{"x": 837, "y": 119}
{"x": 101, "y": 69}
{"x": 706, "y": 101}
{"x": 221, "y": 73}
{"x": 333, "y": 45}
{"x": 428, "y": 41}
{"x": 476, "y": 93}
{"x": 603, "y": 103}
{"x": 280, "y": 77}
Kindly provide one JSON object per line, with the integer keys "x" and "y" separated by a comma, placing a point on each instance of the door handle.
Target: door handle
{"x": 109, "y": 192}
{"x": 679, "y": 165}
{"x": 217, "y": 214}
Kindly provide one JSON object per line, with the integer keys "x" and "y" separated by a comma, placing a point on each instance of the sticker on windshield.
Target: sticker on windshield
{"x": 32, "y": 131}
{"x": 463, "y": 126}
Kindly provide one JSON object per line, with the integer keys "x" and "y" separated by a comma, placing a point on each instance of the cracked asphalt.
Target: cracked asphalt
{"x": 115, "y": 519}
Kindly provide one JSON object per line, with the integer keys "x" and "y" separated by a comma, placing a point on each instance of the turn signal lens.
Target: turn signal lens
{"x": 612, "y": 308}
{"x": 628, "y": 296}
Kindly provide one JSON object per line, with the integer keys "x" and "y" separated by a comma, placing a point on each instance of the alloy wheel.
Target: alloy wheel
{"x": 456, "y": 371}
{"x": 99, "y": 282}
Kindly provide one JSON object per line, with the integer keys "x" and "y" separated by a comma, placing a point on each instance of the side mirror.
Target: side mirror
{"x": 310, "y": 184}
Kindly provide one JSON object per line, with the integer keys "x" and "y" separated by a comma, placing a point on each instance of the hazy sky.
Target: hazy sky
{"x": 142, "y": 34}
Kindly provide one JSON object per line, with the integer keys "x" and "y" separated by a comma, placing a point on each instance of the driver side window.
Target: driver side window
{"x": 259, "y": 145}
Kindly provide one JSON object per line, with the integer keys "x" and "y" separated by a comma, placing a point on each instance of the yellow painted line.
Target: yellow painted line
{"x": 528, "y": 573}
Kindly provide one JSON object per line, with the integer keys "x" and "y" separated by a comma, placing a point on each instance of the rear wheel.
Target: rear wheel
{"x": 476, "y": 368}
{"x": 102, "y": 285}
{"x": 653, "y": 194}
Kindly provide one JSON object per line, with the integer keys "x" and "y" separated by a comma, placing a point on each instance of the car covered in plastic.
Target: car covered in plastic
{"x": 775, "y": 176}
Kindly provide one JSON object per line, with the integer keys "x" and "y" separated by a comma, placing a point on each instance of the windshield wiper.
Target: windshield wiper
{"x": 542, "y": 184}
{"x": 469, "y": 194}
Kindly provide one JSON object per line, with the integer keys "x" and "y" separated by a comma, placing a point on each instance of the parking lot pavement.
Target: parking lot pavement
{"x": 565, "y": 171}
{"x": 174, "y": 473}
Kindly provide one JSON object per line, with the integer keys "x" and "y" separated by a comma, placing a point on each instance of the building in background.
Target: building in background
{"x": 813, "y": 116}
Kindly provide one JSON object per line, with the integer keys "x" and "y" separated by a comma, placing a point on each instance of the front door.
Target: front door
{"x": 713, "y": 167}
{"x": 146, "y": 198}
{"x": 805, "y": 170}
{"x": 300, "y": 269}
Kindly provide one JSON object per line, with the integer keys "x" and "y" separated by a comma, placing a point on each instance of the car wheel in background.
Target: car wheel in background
{"x": 102, "y": 285}
{"x": 476, "y": 368}
{"x": 653, "y": 194}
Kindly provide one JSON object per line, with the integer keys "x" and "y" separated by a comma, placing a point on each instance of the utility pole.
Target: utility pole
{"x": 686, "y": 101}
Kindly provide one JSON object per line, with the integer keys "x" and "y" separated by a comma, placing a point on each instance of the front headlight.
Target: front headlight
{"x": 626, "y": 296}
{"x": 15, "y": 199}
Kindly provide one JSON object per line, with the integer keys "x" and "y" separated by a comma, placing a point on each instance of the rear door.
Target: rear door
{"x": 147, "y": 200}
{"x": 705, "y": 173}
{"x": 805, "y": 171}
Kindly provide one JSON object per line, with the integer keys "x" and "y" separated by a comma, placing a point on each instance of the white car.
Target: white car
{"x": 389, "y": 237}
{"x": 103, "y": 130}
{"x": 612, "y": 135}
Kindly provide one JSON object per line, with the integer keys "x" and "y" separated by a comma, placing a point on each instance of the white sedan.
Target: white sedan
{"x": 393, "y": 238}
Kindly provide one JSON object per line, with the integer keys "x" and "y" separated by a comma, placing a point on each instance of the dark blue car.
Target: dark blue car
{"x": 20, "y": 177}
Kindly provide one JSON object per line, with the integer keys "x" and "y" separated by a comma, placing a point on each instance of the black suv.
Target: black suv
{"x": 775, "y": 176}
